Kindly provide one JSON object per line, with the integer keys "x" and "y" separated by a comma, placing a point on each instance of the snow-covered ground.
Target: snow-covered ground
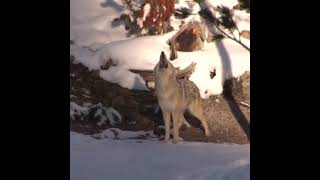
{"x": 126, "y": 159}
{"x": 91, "y": 21}
{"x": 96, "y": 40}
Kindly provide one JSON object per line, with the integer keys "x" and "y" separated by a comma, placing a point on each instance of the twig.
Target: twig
{"x": 245, "y": 104}
{"x": 238, "y": 33}
{"x": 234, "y": 37}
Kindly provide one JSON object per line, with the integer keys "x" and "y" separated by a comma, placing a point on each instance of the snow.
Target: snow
{"x": 85, "y": 57}
{"x": 227, "y": 57}
{"x": 106, "y": 113}
{"x": 127, "y": 159}
{"x": 124, "y": 78}
{"x": 76, "y": 109}
{"x": 138, "y": 53}
{"x": 102, "y": 112}
{"x": 96, "y": 41}
{"x": 215, "y": 3}
{"x": 110, "y": 115}
{"x": 115, "y": 133}
{"x": 86, "y": 104}
{"x": 146, "y": 10}
{"x": 241, "y": 18}
{"x": 90, "y": 21}
{"x": 191, "y": 6}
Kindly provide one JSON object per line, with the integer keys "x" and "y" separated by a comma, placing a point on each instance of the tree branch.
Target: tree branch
{"x": 233, "y": 38}
{"x": 238, "y": 33}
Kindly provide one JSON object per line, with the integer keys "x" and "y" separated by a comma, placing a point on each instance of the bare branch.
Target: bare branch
{"x": 239, "y": 34}
{"x": 206, "y": 14}
{"x": 227, "y": 35}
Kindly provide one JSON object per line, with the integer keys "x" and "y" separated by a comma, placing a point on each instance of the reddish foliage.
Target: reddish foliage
{"x": 161, "y": 10}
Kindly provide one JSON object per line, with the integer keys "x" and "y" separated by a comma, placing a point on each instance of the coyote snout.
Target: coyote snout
{"x": 175, "y": 97}
{"x": 163, "y": 62}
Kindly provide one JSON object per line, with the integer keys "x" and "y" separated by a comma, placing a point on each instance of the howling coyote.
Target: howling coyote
{"x": 175, "y": 97}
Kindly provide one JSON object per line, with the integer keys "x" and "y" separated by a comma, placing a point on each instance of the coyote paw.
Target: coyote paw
{"x": 166, "y": 141}
{"x": 174, "y": 141}
{"x": 178, "y": 140}
{"x": 208, "y": 134}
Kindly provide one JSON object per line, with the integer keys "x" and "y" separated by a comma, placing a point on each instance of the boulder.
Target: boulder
{"x": 189, "y": 38}
{"x": 239, "y": 87}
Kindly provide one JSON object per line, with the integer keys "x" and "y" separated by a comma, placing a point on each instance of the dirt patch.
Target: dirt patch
{"x": 229, "y": 121}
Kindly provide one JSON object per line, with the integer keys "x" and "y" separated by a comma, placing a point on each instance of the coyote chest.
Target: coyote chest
{"x": 167, "y": 98}
{"x": 179, "y": 96}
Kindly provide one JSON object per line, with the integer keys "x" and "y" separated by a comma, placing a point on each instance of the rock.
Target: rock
{"x": 245, "y": 84}
{"x": 238, "y": 87}
{"x": 189, "y": 38}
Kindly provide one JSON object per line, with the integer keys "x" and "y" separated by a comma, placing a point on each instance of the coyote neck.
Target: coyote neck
{"x": 166, "y": 87}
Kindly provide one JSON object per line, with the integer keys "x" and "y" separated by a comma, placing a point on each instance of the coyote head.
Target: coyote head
{"x": 164, "y": 69}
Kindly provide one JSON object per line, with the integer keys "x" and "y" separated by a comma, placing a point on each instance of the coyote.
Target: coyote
{"x": 175, "y": 97}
